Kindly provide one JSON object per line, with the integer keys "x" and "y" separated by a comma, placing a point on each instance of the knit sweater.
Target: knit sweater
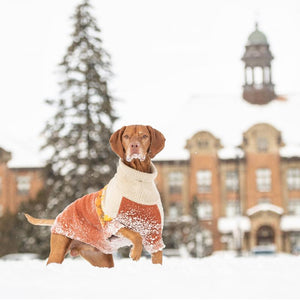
{"x": 130, "y": 200}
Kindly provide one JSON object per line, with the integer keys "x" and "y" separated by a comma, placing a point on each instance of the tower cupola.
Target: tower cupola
{"x": 258, "y": 87}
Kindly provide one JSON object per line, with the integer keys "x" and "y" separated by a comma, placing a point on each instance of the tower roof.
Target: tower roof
{"x": 257, "y": 37}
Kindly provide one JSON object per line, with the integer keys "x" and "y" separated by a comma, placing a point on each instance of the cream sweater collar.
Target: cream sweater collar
{"x": 134, "y": 175}
{"x": 132, "y": 184}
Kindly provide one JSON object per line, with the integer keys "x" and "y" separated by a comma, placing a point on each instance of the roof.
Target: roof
{"x": 257, "y": 37}
{"x": 231, "y": 224}
{"x": 290, "y": 223}
{"x": 264, "y": 207}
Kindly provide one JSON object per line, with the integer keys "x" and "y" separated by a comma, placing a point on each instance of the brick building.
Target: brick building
{"x": 253, "y": 198}
{"x": 17, "y": 184}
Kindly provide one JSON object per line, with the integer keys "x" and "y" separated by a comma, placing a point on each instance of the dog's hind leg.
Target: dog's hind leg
{"x": 97, "y": 258}
{"x": 59, "y": 246}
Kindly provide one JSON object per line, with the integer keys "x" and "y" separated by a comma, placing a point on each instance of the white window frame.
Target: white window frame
{"x": 293, "y": 178}
{"x": 263, "y": 180}
{"x": 205, "y": 210}
{"x": 294, "y": 207}
{"x": 232, "y": 180}
{"x": 232, "y": 208}
{"x": 175, "y": 179}
{"x": 204, "y": 181}
{"x": 175, "y": 210}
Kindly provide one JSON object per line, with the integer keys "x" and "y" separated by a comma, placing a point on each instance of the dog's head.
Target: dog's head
{"x": 137, "y": 142}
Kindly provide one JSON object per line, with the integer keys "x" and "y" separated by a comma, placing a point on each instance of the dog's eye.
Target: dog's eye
{"x": 145, "y": 136}
{"x": 126, "y": 136}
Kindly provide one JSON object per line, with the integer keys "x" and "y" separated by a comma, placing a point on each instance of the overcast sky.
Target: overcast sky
{"x": 166, "y": 55}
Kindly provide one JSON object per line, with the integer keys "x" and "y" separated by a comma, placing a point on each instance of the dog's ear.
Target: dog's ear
{"x": 116, "y": 142}
{"x": 157, "y": 141}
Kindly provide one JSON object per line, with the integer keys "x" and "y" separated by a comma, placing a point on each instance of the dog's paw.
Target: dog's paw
{"x": 136, "y": 252}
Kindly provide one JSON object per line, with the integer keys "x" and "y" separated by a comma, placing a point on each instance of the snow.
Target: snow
{"x": 290, "y": 223}
{"x": 230, "y": 224}
{"x": 215, "y": 277}
{"x": 264, "y": 207}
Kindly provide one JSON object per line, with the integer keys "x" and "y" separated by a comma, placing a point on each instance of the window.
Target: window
{"x": 175, "y": 182}
{"x": 295, "y": 241}
{"x": 263, "y": 180}
{"x": 204, "y": 210}
{"x": 262, "y": 144}
{"x": 293, "y": 178}
{"x": 294, "y": 207}
{"x": 232, "y": 208}
{"x": 232, "y": 181}
{"x": 258, "y": 77}
{"x": 175, "y": 211}
{"x": 249, "y": 76}
{"x": 207, "y": 237}
{"x": 23, "y": 184}
{"x": 203, "y": 143}
{"x": 204, "y": 181}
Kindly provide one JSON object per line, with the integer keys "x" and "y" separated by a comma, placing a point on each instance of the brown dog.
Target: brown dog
{"x": 128, "y": 209}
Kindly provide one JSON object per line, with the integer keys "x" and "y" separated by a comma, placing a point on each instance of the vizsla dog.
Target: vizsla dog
{"x": 128, "y": 211}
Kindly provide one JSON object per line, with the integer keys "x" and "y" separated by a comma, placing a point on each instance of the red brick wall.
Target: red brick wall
{"x": 263, "y": 160}
{"x": 10, "y": 198}
{"x": 207, "y": 162}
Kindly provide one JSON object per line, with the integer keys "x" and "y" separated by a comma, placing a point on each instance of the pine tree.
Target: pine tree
{"x": 8, "y": 228}
{"x": 30, "y": 238}
{"x": 78, "y": 135}
{"x": 18, "y": 236}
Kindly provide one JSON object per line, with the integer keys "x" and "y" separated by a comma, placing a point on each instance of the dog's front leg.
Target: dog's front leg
{"x": 136, "y": 240}
{"x": 157, "y": 257}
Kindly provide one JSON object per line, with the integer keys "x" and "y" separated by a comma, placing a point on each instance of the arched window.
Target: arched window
{"x": 258, "y": 77}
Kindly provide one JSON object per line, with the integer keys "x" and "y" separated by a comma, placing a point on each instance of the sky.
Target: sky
{"x": 176, "y": 63}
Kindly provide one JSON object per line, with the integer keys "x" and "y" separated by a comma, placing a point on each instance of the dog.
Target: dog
{"x": 128, "y": 211}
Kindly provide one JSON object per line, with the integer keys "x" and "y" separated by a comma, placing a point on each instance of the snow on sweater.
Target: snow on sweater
{"x": 130, "y": 200}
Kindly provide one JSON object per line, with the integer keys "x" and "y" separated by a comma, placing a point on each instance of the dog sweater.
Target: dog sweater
{"x": 130, "y": 200}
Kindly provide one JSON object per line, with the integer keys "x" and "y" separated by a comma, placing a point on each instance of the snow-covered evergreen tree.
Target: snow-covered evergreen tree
{"x": 78, "y": 135}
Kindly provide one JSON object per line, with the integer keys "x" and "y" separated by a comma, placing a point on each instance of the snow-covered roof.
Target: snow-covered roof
{"x": 264, "y": 207}
{"x": 227, "y": 118}
{"x": 231, "y": 224}
{"x": 290, "y": 223}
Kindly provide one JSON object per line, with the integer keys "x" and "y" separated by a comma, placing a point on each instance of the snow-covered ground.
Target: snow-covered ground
{"x": 221, "y": 277}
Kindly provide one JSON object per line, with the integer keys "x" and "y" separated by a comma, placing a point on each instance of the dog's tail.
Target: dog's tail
{"x": 41, "y": 222}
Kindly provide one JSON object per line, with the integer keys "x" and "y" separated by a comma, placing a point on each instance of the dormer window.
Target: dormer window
{"x": 203, "y": 144}
{"x": 262, "y": 144}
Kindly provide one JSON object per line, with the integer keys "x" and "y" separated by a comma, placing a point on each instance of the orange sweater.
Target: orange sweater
{"x": 80, "y": 220}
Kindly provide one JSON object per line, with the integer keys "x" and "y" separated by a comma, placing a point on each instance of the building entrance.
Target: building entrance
{"x": 265, "y": 236}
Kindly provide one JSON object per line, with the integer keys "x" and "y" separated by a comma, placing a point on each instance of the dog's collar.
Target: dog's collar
{"x": 137, "y": 175}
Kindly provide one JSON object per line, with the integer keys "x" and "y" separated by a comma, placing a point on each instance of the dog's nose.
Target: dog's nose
{"x": 135, "y": 145}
